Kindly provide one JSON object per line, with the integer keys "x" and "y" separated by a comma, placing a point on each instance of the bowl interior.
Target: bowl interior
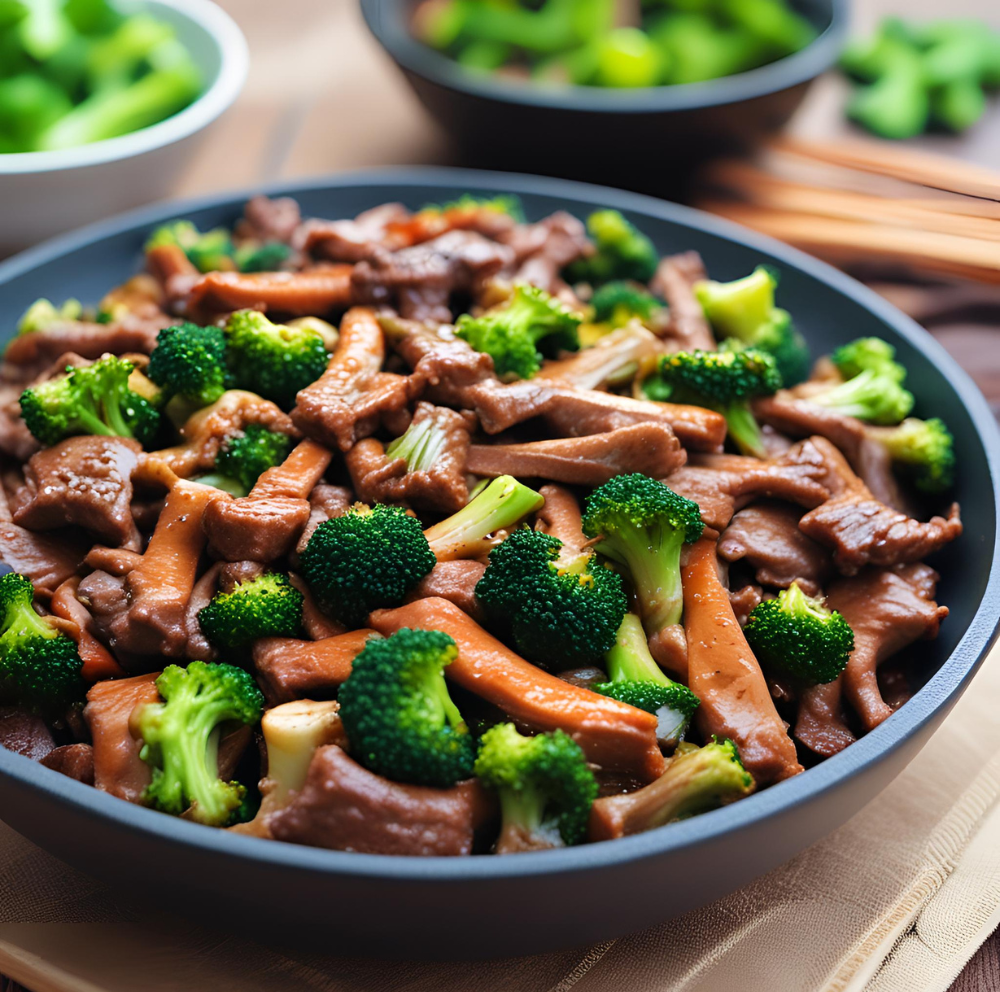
{"x": 828, "y": 307}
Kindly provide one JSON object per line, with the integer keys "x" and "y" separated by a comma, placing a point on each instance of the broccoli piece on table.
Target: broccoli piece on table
{"x": 208, "y": 252}
{"x": 39, "y": 666}
{"x": 266, "y": 606}
{"x": 545, "y": 786}
{"x": 190, "y": 361}
{"x": 399, "y": 718}
{"x": 622, "y": 251}
{"x": 42, "y": 314}
{"x": 92, "y": 399}
{"x": 725, "y": 381}
{"x": 181, "y": 739}
{"x": 274, "y": 360}
{"x": 616, "y": 303}
{"x": 744, "y": 309}
{"x": 922, "y": 450}
{"x": 364, "y": 560}
{"x": 643, "y": 524}
{"x": 562, "y": 612}
{"x": 513, "y": 333}
{"x": 468, "y": 533}
{"x": 799, "y": 635}
{"x": 636, "y": 679}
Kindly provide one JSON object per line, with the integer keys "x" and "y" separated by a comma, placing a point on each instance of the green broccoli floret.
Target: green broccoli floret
{"x": 365, "y": 560}
{"x": 92, "y": 399}
{"x": 39, "y": 666}
{"x": 868, "y": 355}
{"x": 510, "y": 205}
{"x": 247, "y": 455}
{"x": 744, "y": 309}
{"x": 622, "y": 252}
{"x": 267, "y": 256}
{"x": 616, "y": 303}
{"x": 725, "y": 381}
{"x": 467, "y": 533}
{"x": 399, "y": 718}
{"x": 798, "y": 634}
{"x": 876, "y": 397}
{"x": 512, "y": 333}
{"x": 190, "y": 361}
{"x": 207, "y": 252}
{"x": 273, "y": 360}
{"x": 561, "y": 612}
{"x": 643, "y": 524}
{"x": 266, "y": 606}
{"x": 42, "y": 314}
{"x": 636, "y": 679}
{"x": 546, "y": 787}
{"x": 181, "y": 739}
{"x": 922, "y": 450}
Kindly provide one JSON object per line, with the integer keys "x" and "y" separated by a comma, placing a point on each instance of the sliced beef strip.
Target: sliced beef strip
{"x": 861, "y": 530}
{"x": 199, "y": 647}
{"x": 888, "y": 609}
{"x": 73, "y": 760}
{"x": 103, "y": 595}
{"x": 652, "y": 449}
{"x": 351, "y": 240}
{"x": 820, "y": 724}
{"x": 84, "y": 481}
{"x": 15, "y": 438}
{"x": 420, "y": 281}
{"x": 174, "y": 273}
{"x": 561, "y": 517}
{"x": 544, "y": 249}
{"x": 767, "y": 537}
{"x": 674, "y": 281}
{"x": 325, "y": 503}
{"x": 266, "y": 219}
{"x": 344, "y": 807}
{"x": 316, "y": 624}
{"x": 744, "y": 600}
{"x": 442, "y": 487}
{"x": 353, "y": 396}
{"x": 455, "y": 581}
{"x": 430, "y": 223}
{"x": 23, "y": 733}
{"x": 615, "y": 357}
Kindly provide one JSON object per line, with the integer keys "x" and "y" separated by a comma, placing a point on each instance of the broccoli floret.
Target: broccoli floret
{"x": 545, "y": 785}
{"x": 922, "y": 450}
{"x": 92, "y": 399}
{"x": 876, "y": 397}
{"x": 273, "y": 360}
{"x": 467, "y": 533}
{"x": 868, "y": 355}
{"x": 636, "y": 679}
{"x": 266, "y": 606}
{"x": 744, "y": 309}
{"x": 247, "y": 455}
{"x": 364, "y": 560}
{"x": 616, "y": 303}
{"x": 725, "y": 381}
{"x": 510, "y": 205}
{"x": 399, "y": 718}
{"x": 561, "y": 612}
{"x": 261, "y": 257}
{"x": 181, "y": 739}
{"x": 190, "y": 361}
{"x": 623, "y": 252}
{"x": 798, "y": 634}
{"x": 643, "y": 524}
{"x": 513, "y": 333}
{"x": 42, "y": 314}
{"x": 39, "y": 666}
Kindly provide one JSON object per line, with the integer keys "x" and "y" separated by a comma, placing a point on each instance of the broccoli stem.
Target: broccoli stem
{"x": 224, "y": 482}
{"x": 435, "y": 689}
{"x": 629, "y": 660}
{"x": 744, "y": 429}
{"x": 420, "y": 447}
{"x": 654, "y": 561}
{"x": 466, "y": 534}
{"x": 522, "y": 810}
{"x": 23, "y": 619}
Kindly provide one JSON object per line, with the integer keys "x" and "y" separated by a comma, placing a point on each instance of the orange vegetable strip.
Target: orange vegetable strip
{"x": 98, "y": 662}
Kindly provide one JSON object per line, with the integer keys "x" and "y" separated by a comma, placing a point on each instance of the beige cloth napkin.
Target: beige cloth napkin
{"x": 896, "y": 900}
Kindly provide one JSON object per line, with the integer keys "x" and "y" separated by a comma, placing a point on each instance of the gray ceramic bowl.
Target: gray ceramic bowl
{"x": 635, "y": 137}
{"x": 526, "y": 903}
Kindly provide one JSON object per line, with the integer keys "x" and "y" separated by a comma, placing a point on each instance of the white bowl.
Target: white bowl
{"x": 45, "y": 193}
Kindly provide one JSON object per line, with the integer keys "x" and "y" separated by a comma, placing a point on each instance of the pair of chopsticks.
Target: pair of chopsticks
{"x": 862, "y": 204}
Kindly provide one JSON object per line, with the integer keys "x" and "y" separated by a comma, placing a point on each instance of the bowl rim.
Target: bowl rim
{"x": 233, "y": 69}
{"x": 413, "y": 56}
{"x": 767, "y": 806}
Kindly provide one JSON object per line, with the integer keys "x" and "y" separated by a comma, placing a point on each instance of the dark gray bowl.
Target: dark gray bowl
{"x": 526, "y": 903}
{"x": 637, "y": 138}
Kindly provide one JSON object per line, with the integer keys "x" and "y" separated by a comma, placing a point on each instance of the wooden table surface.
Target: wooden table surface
{"x": 322, "y": 97}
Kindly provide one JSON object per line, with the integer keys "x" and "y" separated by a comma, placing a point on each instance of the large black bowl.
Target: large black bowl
{"x": 639, "y": 138}
{"x": 530, "y": 902}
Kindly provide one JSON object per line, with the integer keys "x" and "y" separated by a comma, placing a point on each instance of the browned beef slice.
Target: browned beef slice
{"x": 85, "y": 481}
{"x": 104, "y": 596}
{"x": 544, "y": 249}
{"x": 652, "y": 449}
{"x": 820, "y": 722}
{"x": 888, "y": 609}
{"x": 674, "y": 281}
{"x": 561, "y": 517}
{"x": 15, "y": 438}
{"x": 325, "y": 503}
{"x": 255, "y": 528}
{"x": 350, "y": 240}
{"x": 378, "y": 478}
{"x": 767, "y": 537}
{"x": 33, "y": 352}
{"x": 198, "y": 645}
{"x": 744, "y": 601}
{"x": 347, "y": 808}
{"x": 265, "y": 219}
{"x": 454, "y": 581}
{"x": 799, "y": 418}
{"x": 420, "y": 281}
{"x": 25, "y": 734}
{"x": 74, "y": 760}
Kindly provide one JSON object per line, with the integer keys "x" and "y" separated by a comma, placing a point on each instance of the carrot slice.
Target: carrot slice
{"x": 98, "y": 662}
{"x": 311, "y": 293}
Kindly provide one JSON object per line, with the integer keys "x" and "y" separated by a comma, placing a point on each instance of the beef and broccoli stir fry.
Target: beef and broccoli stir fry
{"x": 443, "y": 532}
